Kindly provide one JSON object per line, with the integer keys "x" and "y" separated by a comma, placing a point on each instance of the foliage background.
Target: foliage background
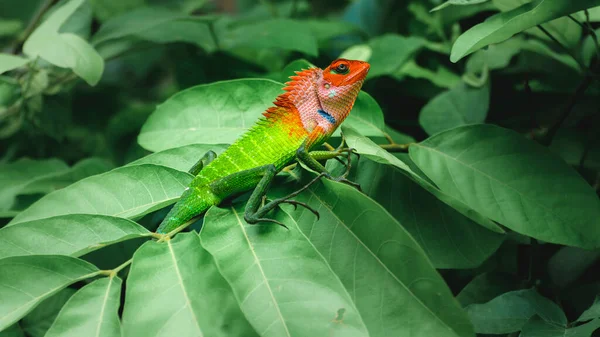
{"x": 482, "y": 218}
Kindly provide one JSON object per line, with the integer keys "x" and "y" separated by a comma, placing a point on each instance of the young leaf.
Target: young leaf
{"x": 91, "y": 311}
{"x": 461, "y": 105}
{"x": 126, "y": 192}
{"x": 21, "y": 289}
{"x": 504, "y": 25}
{"x": 537, "y": 327}
{"x": 71, "y": 234}
{"x": 514, "y": 181}
{"x": 175, "y": 289}
{"x": 368, "y": 148}
{"x": 65, "y": 49}
{"x": 509, "y": 312}
{"x": 10, "y": 62}
{"x": 282, "y": 284}
{"x": 38, "y": 321}
{"x": 365, "y": 246}
{"x": 485, "y": 287}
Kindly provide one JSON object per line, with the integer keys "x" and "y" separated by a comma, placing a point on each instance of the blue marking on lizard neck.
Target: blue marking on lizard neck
{"x": 327, "y": 116}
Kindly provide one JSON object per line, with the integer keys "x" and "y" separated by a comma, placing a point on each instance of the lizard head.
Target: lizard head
{"x": 337, "y": 90}
{"x": 324, "y": 98}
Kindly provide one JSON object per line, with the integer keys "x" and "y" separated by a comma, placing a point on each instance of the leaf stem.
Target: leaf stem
{"x": 113, "y": 272}
{"x": 579, "y": 92}
{"x": 32, "y": 24}
{"x": 395, "y": 147}
{"x": 565, "y": 49}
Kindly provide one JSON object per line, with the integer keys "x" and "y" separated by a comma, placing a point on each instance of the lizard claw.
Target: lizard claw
{"x": 303, "y": 204}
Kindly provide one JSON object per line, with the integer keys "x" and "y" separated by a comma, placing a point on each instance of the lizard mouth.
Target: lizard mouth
{"x": 359, "y": 75}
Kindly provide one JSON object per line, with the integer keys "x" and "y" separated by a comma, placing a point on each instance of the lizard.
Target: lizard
{"x": 314, "y": 103}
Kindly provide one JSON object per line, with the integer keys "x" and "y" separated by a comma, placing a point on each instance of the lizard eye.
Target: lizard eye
{"x": 341, "y": 69}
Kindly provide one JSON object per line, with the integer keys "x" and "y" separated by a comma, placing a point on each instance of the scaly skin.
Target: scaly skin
{"x": 315, "y": 103}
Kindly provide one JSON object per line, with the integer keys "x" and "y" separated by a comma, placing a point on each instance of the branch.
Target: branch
{"x": 581, "y": 88}
{"x": 32, "y": 24}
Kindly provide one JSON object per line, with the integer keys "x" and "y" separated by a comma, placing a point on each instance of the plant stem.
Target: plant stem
{"x": 565, "y": 49}
{"x": 113, "y": 272}
{"x": 32, "y": 24}
{"x": 395, "y": 147}
{"x": 581, "y": 88}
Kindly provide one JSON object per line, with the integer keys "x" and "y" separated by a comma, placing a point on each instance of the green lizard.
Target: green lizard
{"x": 315, "y": 103}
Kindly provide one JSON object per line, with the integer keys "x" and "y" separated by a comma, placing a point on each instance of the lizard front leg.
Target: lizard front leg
{"x": 311, "y": 159}
{"x": 200, "y": 164}
{"x": 260, "y": 177}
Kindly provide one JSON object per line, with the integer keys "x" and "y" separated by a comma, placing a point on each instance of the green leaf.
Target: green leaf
{"x": 105, "y": 10}
{"x": 65, "y": 50}
{"x": 71, "y": 234}
{"x": 290, "y": 70}
{"x": 485, "y": 287}
{"x": 390, "y": 52}
{"x": 325, "y": 30}
{"x": 361, "y": 52}
{"x": 126, "y": 192}
{"x": 567, "y": 32}
{"x": 537, "y": 327}
{"x": 510, "y": 311}
{"x": 13, "y": 331}
{"x": 368, "y": 148}
{"x": 158, "y": 25}
{"x": 180, "y": 158}
{"x": 498, "y": 173}
{"x": 14, "y": 177}
{"x": 569, "y": 263}
{"x": 461, "y": 105}
{"x": 175, "y": 289}
{"x": 10, "y": 62}
{"x": 441, "y": 77}
{"x": 21, "y": 289}
{"x": 449, "y": 239}
{"x": 10, "y": 28}
{"x": 504, "y": 25}
{"x": 39, "y": 320}
{"x": 188, "y": 117}
{"x": 283, "y": 34}
{"x": 457, "y": 2}
{"x": 495, "y": 56}
{"x": 92, "y": 310}
{"x": 282, "y": 284}
{"x": 82, "y": 169}
{"x": 380, "y": 264}
{"x": 593, "y": 312}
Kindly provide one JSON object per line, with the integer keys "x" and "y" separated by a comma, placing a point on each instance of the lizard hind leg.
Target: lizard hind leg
{"x": 256, "y": 210}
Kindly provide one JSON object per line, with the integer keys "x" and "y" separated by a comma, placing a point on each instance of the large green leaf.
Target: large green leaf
{"x": 188, "y": 117}
{"x": 284, "y": 34}
{"x": 38, "y": 321}
{"x": 368, "y": 148}
{"x": 14, "y": 177}
{"x": 46, "y": 183}
{"x": 461, "y": 105}
{"x": 91, "y": 311}
{"x": 281, "y": 282}
{"x": 390, "y": 52}
{"x": 156, "y": 24}
{"x": 485, "y": 287}
{"x": 175, "y": 289}
{"x": 592, "y": 312}
{"x": 126, "y": 192}
{"x": 510, "y": 311}
{"x": 514, "y": 181}
{"x": 70, "y": 234}
{"x": 13, "y": 331}
{"x": 504, "y": 25}
{"x": 21, "y": 288}
{"x": 180, "y": 158}
{"x": 10, "y": 62}
{"x": 65, "y": 50}
{"x": 537, "y": 327}
{"x": 208, "y": 114}
{"x": 450, "y": 239}
{"x": 380, "y": 265}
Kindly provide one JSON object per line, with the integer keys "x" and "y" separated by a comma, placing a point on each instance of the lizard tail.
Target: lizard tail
{"x": 193, "y": 202}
